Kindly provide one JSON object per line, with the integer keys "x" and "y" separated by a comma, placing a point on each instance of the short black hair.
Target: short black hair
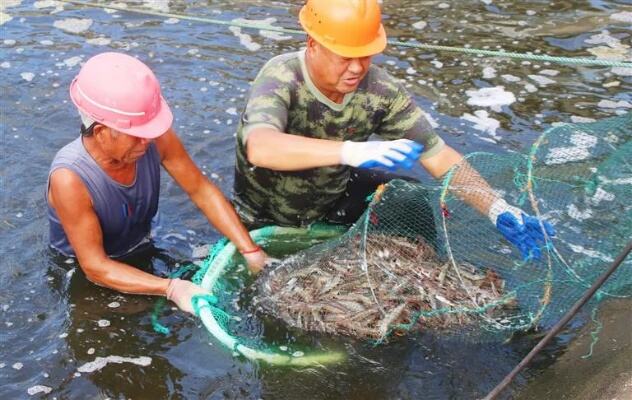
{"x": 89, "y": 130}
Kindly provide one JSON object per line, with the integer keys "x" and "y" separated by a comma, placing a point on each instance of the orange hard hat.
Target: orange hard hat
{"x": 350, "y": 28}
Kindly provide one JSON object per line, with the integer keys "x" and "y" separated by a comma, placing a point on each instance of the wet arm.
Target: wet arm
{"x": 466, "y": 182}
{"x": 73, "y": 205}
{"x": 269, "y": 148}
{"x": 217, "y": 209}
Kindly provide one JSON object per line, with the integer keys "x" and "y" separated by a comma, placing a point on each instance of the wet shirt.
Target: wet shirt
{"x": 284, "y": 98}
{"x": 124, "y": 211}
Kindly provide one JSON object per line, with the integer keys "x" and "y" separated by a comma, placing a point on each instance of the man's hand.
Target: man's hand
{"x": 181, "y": 292}
{"x": 391, "y": 154}
{"x": 521, "y": 229}
{"x": 257, "y": 260}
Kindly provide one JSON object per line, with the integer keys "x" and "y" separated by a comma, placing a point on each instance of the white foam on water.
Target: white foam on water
{"x": 103, "y": 323}
{"x": 200, "y": 251}
{"x": 489, "y": 73}
{"x": 562, "y": 155}
{"x": 577, "y": 214}
{"x": 278, "y": 36}
{"x": 33, "y": 390}
{"x": 101, "y": 362}
{"x": 114, "y": 304}
{"x": 623, "y": 16}
{"x": 100, "y": 41}
{"x": 113, "y": 11}
{"x": 158, "y": 5}
{"x": 541, "y": 80}
{"x": 577, "y": 119}
{"x": 27, "y": 76}
{"x": 9, "y": 42}
{"x": 171, "y": 21}
{"x": 47, "y": 4}
{"x": 601, "y": 195}
{"x": 433, "y": 122}
{"x": 4, "y": 4}
{"x": 420, "y": 25}
{"x": 17, "y": 366}
{"x": 267, "y": 22}
{"x": 443, "y": 6}
{"x": 47, "y": 43}
{"x": 231, "y": 111}
{"x": 603, "y": 38}
{"x": 614, "y": 104}
{"x": 590, "y": 253}
{"x": 549, "y": 72}
{"x": 619, "y": 181}
{"x": 178, "y": 236}
{"x": 616, "y": 52}
{"x": 510, "y": 78}
{"x": 492, "y": 97}
{"x": 437, "y": 64}
{"x": 5, "y": 65}
{"x": 483, "y": 122}
{"x": 583, "y": 140}
{"x": 622, "y": 71}
{"x": 580, "y": 151}
{"x": 531, "y": 88}
{"x": 4, "y": 18}
{"x": 245, "y": 39}
{"x": 73, "y": 25}
{"x": 72, "y": 61}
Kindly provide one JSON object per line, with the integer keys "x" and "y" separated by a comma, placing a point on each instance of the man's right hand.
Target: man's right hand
{"x": 392, "y": 154}
{"x": 181, "y": 292}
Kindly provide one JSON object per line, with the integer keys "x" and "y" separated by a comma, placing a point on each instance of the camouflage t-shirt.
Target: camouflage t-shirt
{"x": 284, "y": 98}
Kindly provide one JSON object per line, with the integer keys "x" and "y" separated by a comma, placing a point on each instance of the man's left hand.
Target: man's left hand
{"x": 257, "y": 260}
{"x": 522, "y": 230}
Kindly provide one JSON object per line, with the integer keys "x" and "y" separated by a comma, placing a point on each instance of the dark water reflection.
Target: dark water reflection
{"x": 52, "y": 321}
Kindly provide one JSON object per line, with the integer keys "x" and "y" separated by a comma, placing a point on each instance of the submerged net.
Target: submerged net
{"x": 420, "y": 258}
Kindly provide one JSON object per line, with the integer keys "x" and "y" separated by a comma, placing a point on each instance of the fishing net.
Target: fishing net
{"x": 421, "y": 258}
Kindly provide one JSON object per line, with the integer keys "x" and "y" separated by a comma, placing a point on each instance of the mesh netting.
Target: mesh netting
{"x": 396, "y": 270}
{"x": 421, "y": 258}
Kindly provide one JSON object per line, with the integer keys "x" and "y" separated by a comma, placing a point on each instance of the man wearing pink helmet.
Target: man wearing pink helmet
{"x": 103, "y": 187}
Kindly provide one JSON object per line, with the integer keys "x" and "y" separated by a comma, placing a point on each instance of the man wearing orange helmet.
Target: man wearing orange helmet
{"x": 302, "y": 149}
{"x": 103, "y": 187}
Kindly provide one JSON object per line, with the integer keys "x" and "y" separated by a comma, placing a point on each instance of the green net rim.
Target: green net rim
{"x": 222, "y": 258}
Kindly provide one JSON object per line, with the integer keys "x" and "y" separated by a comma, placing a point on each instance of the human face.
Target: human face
{"x": 333, "y": 74}
{"x": 120, "y": 147}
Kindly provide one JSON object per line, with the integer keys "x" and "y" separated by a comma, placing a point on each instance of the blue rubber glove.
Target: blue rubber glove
{"x": 521, "y": 229}
{"x": 392, "y": 154}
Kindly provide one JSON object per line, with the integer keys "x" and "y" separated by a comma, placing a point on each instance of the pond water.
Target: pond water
{"x": 53, "y": 322}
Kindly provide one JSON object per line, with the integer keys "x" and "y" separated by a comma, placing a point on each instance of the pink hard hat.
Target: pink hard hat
{"x": 122, "y": 93}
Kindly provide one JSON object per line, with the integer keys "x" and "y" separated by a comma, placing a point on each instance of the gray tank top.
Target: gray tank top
{"x": 124, "y": 212}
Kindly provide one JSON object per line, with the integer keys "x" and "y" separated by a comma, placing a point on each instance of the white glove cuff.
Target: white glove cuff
{"x": 346, "y": 152}
{"x": 500, "y": 206}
